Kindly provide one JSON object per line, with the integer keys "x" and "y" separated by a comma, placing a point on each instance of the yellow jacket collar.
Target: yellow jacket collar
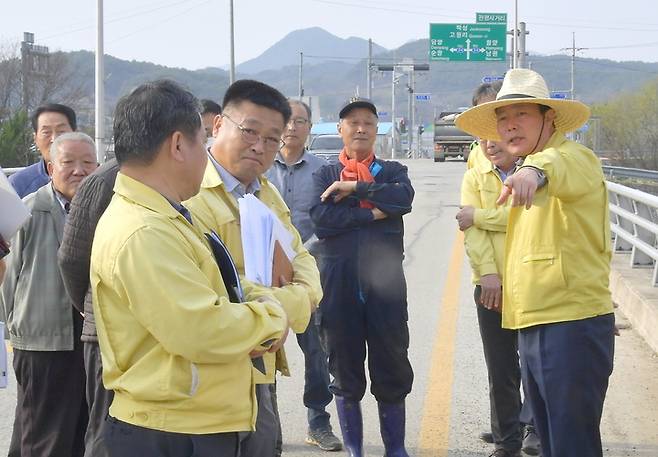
{"x": 211, "y": 178}
{"x": 143, "y": 195}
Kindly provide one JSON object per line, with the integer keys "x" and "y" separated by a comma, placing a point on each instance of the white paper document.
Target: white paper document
{"x": 260, "y": 228}
{"x": 13, "y": 212}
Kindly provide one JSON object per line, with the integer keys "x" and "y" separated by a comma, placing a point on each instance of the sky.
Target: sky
{"x": 195, "y": 34}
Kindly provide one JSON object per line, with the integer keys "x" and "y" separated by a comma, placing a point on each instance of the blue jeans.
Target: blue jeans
{"x": 316, "y": 377}
{"x": 565, "y": 368}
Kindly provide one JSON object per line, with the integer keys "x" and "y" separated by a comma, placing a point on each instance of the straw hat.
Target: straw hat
{"x": 522, "y": 86}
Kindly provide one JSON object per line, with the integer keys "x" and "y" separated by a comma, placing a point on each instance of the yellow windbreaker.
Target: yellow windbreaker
{"x": 216, "y": 209}
{"x": 558, "y": 252}
{"x": 485, "y": 240}
{"x": 175, "y": 351}
{"x": 476, "y": 157}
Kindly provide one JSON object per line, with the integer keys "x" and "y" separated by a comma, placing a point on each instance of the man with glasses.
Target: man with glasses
{"x": 48, "y": 122}
{"x": 292, "y": 174}
{"x": 247, "y": 138}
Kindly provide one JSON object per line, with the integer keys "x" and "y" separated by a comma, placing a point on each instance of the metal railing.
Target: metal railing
{"x": 11, "y": 171}
{"x": 625, "y": 172}
{"x": 633, "y": 216}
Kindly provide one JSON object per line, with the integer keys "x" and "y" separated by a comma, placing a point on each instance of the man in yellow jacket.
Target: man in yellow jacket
{"x": 557, "y": 260}
{"x": 247, "y": 138}
{"x": 488, "y": 166}
{"x": 175, "y": 350}
{"x": 484, "y": 239}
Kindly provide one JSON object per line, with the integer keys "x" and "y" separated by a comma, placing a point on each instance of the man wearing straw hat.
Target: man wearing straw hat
{"x": 557, "y": 252}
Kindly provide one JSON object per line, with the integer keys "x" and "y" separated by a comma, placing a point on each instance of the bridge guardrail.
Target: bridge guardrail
{"x": 11, "y": 171}
{"x": 633, "y": 217}
{"x": 625, "y": 172}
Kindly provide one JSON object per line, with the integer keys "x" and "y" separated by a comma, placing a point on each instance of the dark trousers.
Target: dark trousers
{"x": 351, "y": 317}
{"x": 126, "y": 440}
{"x": 51, "y": 411}
{"x": 278, "y": 448}
{"x": 98, "y": 399}
{"x": 501, "y": 356}
{"x": 263, "y": 441}
{"x": 316, "y": 377}
{"x": 565, "y": 368}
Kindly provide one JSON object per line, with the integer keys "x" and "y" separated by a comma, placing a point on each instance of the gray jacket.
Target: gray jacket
{"x": 88, "y": 205}
{"x": 38, "y": 310}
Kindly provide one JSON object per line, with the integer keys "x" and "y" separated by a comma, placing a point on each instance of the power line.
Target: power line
{"x": 160, "y": 21}
{"x": 116, "y": 19}
{"x": 639, "y": 45}
{"x": 462, "y": 15}
{"x": 393, "y": 10}
{"x": 590, "y": 27}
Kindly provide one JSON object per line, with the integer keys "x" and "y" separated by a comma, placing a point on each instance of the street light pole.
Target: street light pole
{"x": 232, "y": 70}
{"x": 369, "y": 75}
{"x": 301, "y": 75}
{"x": 515, "y": 41}
{"x": 100, "y": 85}
{"x": 393, "y": 135}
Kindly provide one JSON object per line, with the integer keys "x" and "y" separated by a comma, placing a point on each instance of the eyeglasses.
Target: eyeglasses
{"x": 298, "y": 122}
{"x": 251, "y": 136}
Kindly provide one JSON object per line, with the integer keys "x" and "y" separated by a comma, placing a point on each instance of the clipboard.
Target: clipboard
{"x": 281, "y": 266}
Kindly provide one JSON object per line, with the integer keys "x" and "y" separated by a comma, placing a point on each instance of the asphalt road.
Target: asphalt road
{"x": 448, "y": 406}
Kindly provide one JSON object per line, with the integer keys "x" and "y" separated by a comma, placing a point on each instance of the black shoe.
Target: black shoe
{"x": 531, "y": 443}
{"x": 487, "y": 437}
{"x": 324, "y": 438}
{"x": 500, "y": 452}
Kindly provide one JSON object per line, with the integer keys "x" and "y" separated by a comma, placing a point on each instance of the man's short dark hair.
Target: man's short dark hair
{"x": 208, "y": 106}
{"x": 486, "y": 90}
{"x": 259, "y": 94}
{"x": 293, "y": 101}
{"x": 147, "y": 116}
{"x": 54, "y": 108}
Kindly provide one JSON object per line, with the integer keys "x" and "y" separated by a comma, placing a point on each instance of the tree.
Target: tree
{"x": 629, "y": 128}
{"x": 52, "y": 85}
{"x": 15, "y": 141}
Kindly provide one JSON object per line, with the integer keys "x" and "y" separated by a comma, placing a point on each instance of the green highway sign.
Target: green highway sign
{"x": 491, "y": 18}
{"x": 468, "y": 42}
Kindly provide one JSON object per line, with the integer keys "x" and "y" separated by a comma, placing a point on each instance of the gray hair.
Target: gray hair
{"x": 294, "y": 101}
{"x": 486, "y": 90}
{"x": 70, "y": 136}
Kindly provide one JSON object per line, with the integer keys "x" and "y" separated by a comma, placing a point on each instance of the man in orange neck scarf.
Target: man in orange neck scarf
{"x": 357, "y": 212}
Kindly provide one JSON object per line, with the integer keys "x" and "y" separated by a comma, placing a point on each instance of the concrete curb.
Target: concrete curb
{"x": 632, "y": 291}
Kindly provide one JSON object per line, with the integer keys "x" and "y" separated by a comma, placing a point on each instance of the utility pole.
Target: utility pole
{"x": 369, "y": 76}
{"x": 100, "y": 85}
{"x": 515, "y": 42}
{"x": 410, "y": 67}
{"x": 573, "y": 50}
{"x": 34, "y": 62}
{"x": 522, "y": 53}
{"x": 410, "y": 127}
{"x": 301, "y": 75}
{"x": 393, "y": 135}
{"x": 232, "y": 70}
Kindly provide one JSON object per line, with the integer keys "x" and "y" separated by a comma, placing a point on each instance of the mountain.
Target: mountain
{"x": 450, "y": 84}
{"x": 316, "y": 44}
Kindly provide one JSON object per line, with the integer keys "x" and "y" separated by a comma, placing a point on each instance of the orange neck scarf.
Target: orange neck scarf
{"x": 356, "y": 170}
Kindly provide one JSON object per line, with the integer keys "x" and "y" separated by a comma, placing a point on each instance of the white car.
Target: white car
{"x": 327, "y": 146}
